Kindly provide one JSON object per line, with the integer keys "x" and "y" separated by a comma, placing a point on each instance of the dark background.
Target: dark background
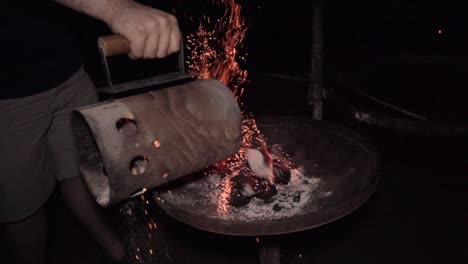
{"x": 392, "y": 50}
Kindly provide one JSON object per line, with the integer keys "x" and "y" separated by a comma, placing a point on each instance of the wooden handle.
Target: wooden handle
{"x": 113, "y": 45}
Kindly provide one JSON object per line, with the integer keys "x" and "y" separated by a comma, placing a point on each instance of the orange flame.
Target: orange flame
{"x": 215, "y": 48}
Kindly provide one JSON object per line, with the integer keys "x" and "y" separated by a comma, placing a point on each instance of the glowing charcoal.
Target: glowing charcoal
{"x": 281, "y": 172}
{"x": 266, "y": 191}
{"x": 138, "y": 165}
{"x": 260, "y": 164}
{"x": 236, "y": 199}
{"x": 156, "y": 144}
{"x": 243, "y": 188}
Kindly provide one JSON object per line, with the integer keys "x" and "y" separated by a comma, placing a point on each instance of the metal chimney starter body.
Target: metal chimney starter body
{"x": 132, "y": 144}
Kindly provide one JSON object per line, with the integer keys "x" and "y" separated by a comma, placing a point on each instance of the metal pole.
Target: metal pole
{"x": 316, "y": 83}
{"x": 269, "y": 252}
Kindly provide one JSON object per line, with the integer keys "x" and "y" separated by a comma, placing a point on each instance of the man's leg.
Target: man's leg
{"x": 77, "y": 91}
{"x": 27, "y": 238}
{"x": 25, "y": 179}
{"x": 85, "y": 208}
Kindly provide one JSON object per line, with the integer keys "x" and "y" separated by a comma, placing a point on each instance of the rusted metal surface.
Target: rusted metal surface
{"x": 346, "y": 164}
{"x": 136, "y": 143}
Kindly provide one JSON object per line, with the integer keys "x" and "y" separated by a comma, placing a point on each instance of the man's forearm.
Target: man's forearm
{"x": 100, "y": 9}
{"x": 152, "y": 33}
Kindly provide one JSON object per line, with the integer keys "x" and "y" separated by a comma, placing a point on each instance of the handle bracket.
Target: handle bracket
{"x": 112, "y": 45}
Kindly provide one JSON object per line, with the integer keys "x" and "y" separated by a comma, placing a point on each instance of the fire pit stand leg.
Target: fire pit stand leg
{"x": 269, "y": 252}
{"x": 316, "y": 82}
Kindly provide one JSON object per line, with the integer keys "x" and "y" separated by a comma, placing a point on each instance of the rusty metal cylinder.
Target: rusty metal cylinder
{"x": 129, "y": 145}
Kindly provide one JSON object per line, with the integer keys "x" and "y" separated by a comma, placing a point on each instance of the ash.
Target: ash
{"x": 302, "y": 195}
{"x": 289, "y": 201}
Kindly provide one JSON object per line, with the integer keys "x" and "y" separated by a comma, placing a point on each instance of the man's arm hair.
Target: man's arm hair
{"x": 99, "y": 9}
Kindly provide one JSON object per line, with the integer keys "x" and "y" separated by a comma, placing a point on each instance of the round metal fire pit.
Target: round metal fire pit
{"x": 341, "y": 171}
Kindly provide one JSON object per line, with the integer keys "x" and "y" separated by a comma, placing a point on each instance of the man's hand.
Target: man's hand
{"x": 152, "y": 33}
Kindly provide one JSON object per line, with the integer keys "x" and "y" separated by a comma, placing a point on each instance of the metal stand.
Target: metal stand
{"x": 269, "y": 252}
{"x": 316, "y": 82}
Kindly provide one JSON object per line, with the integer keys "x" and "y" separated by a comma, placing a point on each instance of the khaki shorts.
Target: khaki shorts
{"x": 37, "y": 145}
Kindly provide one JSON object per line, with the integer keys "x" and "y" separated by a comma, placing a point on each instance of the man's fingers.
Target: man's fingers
{"x": 175, "y": 42}
{"x": 151, "y": 46}
{"x": 163, "y": 44}
{"x": 152, "y": 33}
{"x": 176, "y": 36}
{"x": 137, "y": 46}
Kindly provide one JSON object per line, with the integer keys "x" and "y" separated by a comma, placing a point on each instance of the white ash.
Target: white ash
{"x": 248, "y": 191}
{"x": 260, "y": 165}
{"x": 301, "y": 196}
{"x": 290, "y": 200}
{"x": 101, "y": 190}
{"x": 103, "y": 196}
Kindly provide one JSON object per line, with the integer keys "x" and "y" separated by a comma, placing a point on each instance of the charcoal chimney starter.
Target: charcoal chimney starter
{"x": 129, "y": 145}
